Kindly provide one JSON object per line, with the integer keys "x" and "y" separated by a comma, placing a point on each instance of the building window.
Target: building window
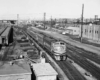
{"x": 97, "y": 32}
{"x": 90, "y": 31}
{"x": 85, "y": 30}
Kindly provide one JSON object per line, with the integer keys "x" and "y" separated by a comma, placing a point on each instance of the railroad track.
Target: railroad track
{"x": 85, "y": 54}
{"x": 8, "y": 51}
{"x": 71, "y": 72}
{"x": 84, "y": 63}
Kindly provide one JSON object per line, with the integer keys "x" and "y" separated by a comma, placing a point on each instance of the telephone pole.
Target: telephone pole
{"x": 51, "y": 21}
{"x": 82, "y": 22}
{"x": 17, "y": 19}
{"x": 44, "y": 20}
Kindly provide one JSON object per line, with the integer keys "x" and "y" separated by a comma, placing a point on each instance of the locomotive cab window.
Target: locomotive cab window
{"x": 62, "y": 43}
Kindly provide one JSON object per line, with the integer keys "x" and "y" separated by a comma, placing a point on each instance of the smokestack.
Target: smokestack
{"x": 96, "y": 17}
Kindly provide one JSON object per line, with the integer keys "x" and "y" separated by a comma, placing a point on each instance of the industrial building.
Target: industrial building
{"x": 91, "y": 32}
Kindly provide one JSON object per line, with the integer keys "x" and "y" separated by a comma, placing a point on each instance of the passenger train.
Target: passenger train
{"x": 56, "y": 46}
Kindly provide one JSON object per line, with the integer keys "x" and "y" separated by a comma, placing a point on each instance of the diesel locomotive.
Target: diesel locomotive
{"x": 56, "y": 46}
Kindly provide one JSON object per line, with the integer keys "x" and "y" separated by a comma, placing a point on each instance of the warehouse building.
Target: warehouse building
{"x": 91, "y": 32}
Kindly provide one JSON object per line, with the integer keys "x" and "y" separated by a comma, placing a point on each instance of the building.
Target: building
{"x": 44, "y": 71}
{"x": 19, "y": 70}
{"x": 72, "y": 30}
{"x": 91, "y": 32}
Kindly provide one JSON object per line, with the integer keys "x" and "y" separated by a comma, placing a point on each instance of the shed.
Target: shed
{"x": 44, "y": 71}
{"x": 72, "y": 30}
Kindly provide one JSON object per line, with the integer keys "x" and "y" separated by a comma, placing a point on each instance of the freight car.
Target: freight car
{"x": 56, "y": 46}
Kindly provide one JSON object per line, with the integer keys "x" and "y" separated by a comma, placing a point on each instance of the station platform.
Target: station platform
{"x": 67, "y": 39}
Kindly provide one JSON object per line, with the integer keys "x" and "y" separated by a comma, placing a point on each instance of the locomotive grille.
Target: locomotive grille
{"x": 59, "y": 47}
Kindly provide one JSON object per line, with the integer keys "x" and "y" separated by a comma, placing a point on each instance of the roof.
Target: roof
{"x": 44, "y": 69}
{"x": 73, "y": 28}
{"x": 15, "y": 69}
{"x": 5, "y": 33}
{"x": 2, "y": 29}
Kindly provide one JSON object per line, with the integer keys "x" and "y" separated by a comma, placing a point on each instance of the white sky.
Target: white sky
{"x": 55, "y": 8}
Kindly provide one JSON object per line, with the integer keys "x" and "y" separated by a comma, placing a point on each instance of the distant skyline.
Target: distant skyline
{"x": 34, "y": 9}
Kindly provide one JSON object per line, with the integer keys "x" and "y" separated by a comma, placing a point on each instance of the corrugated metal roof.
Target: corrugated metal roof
{"x": 1, "y": 29}
{"x": 5, "y": 33}
{"x": 44, "y": 69}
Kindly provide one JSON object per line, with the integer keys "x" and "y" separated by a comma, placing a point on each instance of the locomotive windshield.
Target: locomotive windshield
{"x": 59, "y": 43}
{"x": 59, "y": 47}
{"x": 62, "y": 43}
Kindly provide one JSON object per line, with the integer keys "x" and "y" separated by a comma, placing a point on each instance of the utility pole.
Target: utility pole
{"x": 44, "y": 20}
{"x": 17, "y": 19}
{"x": 51, "y": 21}
{"x": 82, "y": 22}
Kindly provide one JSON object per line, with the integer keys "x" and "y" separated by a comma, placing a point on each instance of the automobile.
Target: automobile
{"x": 65, "y": 32}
